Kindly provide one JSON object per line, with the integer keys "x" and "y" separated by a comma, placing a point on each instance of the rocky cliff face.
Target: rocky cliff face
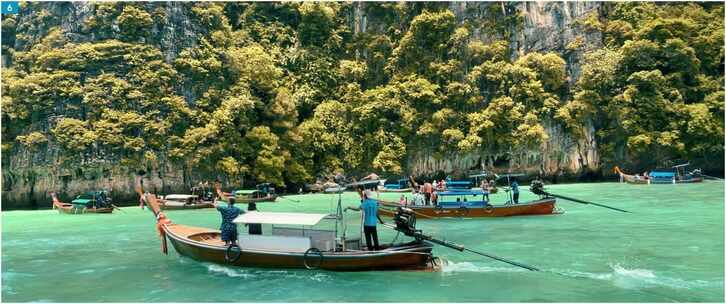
{"x": 546, "y": 26}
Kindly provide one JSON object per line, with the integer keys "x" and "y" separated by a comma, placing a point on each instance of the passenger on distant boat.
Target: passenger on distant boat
{"x": 428, "y": 189}
{"x": 403, "y": 201}
{"x": 436, "y": 184}
{"x": 418, "y": 198}
{"x": 371, "y": 176}
{"x": 339, "y": 178}
{"x": 253, "y": 228}
{"x": 515, "y": 191}
{"x": 485, "y": 188}
{"x": 228, "y": 228}
{"x": 442, "y": 185}
{"x": 370, "y": 214}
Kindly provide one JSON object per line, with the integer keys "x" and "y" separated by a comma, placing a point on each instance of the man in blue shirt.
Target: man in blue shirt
{"x": 515, "y": 192}
{"x": 370, "y": 213}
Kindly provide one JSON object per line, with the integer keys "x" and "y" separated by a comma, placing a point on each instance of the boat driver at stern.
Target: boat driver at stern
{"x": 370, "y": 214}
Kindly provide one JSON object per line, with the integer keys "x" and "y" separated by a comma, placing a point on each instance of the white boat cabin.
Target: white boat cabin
{"x": 288, "y": 232}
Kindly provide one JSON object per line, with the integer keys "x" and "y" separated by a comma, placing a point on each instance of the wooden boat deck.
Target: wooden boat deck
{"x": 199, "y": 234}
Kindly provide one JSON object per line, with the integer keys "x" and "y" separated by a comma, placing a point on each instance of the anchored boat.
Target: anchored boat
{"x": 674, "y": 175}
{"x": 473, "y": 203}
{"x": 89, "y": 202}
{"x": 263, "y": 193}
{"x": 183, "y": 202}
{"x": 400, "y": 185}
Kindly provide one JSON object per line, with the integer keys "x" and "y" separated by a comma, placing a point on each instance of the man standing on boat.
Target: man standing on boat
{"x": 370, "y": 214}
{"x": 485, "y": 189}
{"x": 229, "y": 213}
{"x": 515, "y": 192}
{"x": 427, "y": 190}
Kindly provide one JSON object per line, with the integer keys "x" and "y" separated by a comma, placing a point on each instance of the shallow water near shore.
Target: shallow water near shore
{"x": 671, "y": 248}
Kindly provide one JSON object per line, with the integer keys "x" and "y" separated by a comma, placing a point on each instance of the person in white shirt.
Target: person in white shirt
{"x": 418, "y": 198}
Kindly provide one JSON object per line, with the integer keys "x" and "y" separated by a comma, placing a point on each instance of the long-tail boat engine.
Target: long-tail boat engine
{"x": 405, "y": 220}
{"x": 537, "y": 187}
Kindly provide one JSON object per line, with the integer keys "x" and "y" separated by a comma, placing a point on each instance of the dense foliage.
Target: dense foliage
{"x": 283, "y": 92}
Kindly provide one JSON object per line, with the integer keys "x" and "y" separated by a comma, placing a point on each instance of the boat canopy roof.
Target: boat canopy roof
{"x": 662, "y": 174}
{"x": 179, "y": 196}
{"x": 245, "y": 191}
{"x": 462, "y": 192}
{"x": 280, "y": 218}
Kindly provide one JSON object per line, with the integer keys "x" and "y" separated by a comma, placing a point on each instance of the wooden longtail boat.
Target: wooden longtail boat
{"x": 245, "y": 199}
{"x": 674, "y": 175}
{"x": 631, "y": 179}
{"x": 288, "y": 247}
{"x": 397, "y": 186}
{"x": 76, "y": 208}
{"x": 183, "y": 202}
{"x": 473, "y": 207}
{"x": 264, "y": 193}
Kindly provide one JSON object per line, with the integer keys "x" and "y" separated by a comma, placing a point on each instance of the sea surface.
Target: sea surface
{"x": 669, "y": 249}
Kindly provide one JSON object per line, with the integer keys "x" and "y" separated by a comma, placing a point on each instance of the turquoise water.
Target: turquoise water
{"x": 670, "y": 249}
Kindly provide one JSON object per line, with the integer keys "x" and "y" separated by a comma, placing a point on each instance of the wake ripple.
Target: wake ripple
{"x": 266, "y": 274}
{"x": 622, "y": 277}
{"x": 453, "y": 267}
{"x": 637, "y": 278}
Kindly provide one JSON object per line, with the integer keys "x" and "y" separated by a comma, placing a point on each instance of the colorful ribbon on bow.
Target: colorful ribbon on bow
{"x": 162, "y": 220}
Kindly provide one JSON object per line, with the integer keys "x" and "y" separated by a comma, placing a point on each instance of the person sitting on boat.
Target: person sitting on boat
{"x": 371, "y": 176}
{"x": 253, "y": 228}
{"x": 515, "y": 192}
{"x": 442, "y": 185}
{"x": 370, "y": 213}
{"x": 403, "y": 201}
{"x": 436, "y": 184}
{"x": 228, "y": 228}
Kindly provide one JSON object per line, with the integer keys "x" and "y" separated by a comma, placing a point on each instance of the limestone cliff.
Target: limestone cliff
{"x": 538, "y": 26}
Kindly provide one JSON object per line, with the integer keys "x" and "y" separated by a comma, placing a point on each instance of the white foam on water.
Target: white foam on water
{"x": 230, "y": 272}
{"x": 85, "y": 271}
{"x": 637, "y": 278}
{"x": 453, "y": 267}
{"x": 295, "y": 274}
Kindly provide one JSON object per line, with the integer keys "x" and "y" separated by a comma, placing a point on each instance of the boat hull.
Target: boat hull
{"x": 187, "y": 206}
{"x": 404, "y": 190}
{"x": 684, "y": 181}
{"x": 538, "y": 207}
{"x": 256, "y": 199}
{"x": 72, "y": 210}
{"x": 412, "y": 256}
